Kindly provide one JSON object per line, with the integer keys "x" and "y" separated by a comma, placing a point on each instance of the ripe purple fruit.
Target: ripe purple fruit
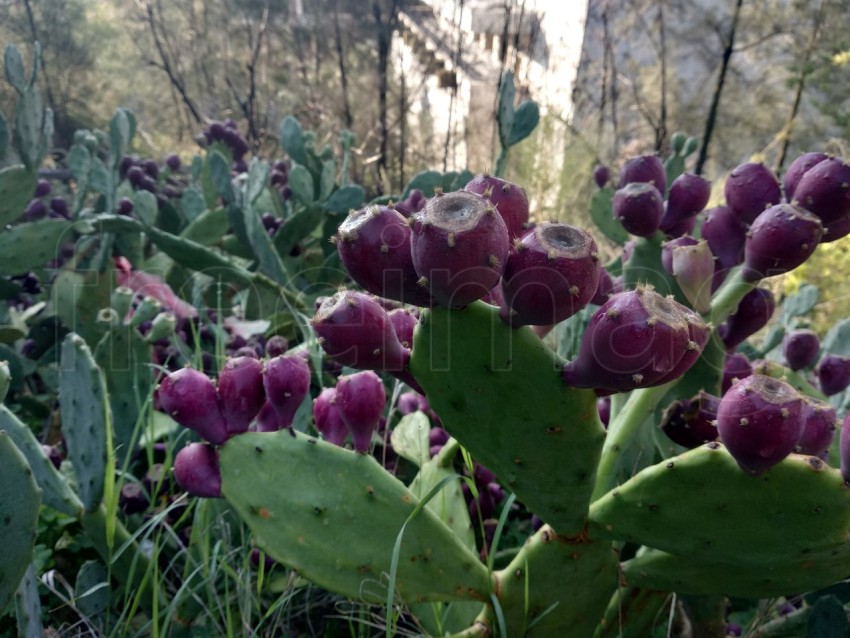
{"x": 172, "y": 161}
{"x": 509, "y": 199}
{"x": 836, "y": 230}
{"x": 459, "y": 246}
{"x": 356, "y": 331}
{"x": 404, "y": 322}
{"x": 688, "y": 195}
{"x": 60, "y": 207}
{"x": 374, "y": 246}
{"x": 801, "y": 348}
{"x": 818, "y": 429}
{"x": 361, "y": 398}
{"x": 639, "y": 207}
{"x": 735, "y": 368}
{"x": 635, "y": 340}
{"x": 241, "y": 392}
{"x": 550, "y": 274}
{"x": 35, "y": 209}
{"x": 825, "y": 190}
{"x": 196, "y": 470}
{"x": 276, "y": 346}
{"x": 601, "y": 175}
{"x": 726, "y": 236}
{"x": 750, "y": 189}
{"x": 327, "y": 418}
{"x": 408, "y": 403}
{"x": 286, "y": 381}
{"x": 833, "y": 374}
{"x": 125, "y": 206}
{"x": 690, "y": 422}
{"x": 646, "y": 168}
{"x": 603, "y": 407}
{"x": 754, "y": 311}
{"x": 779, "y": 240}
{"x": 190, "y": 398}
{"x": 760, "y": 421}
{"x": 42, "y": 188}
{"x": 798, "y": 168}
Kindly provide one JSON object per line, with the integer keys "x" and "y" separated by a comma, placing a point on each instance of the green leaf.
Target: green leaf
{"x": 258, "y": 177}
{"x": 348, "y": 197}
{"x": 292, "y": 139}
{"x": 4, "y": 135}
{"x": 800, "y": 303}
{"x": 526, "y": 118}
{"x": 410, "y": 438}
{"x": 602, "y": 215}
{"x": 17, "y": 185}
{"x": 15, "y": 68}
{"x": 837, "y": 340}
{"x": 301, "y": 183}
{"x": 828, "y": 619}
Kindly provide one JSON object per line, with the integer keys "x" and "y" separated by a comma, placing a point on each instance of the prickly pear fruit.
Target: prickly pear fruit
{"x": 845, "y": 449}
{"x": 735, "y": 368}
{"x": 276, "y": 346}
{"x": 403, "y": 322}
{"x": 780, "y": 239}
{"x": 361, "y": 398}
{"x": 646, "y": 168}
{"x": 190, "y": 398}
{"x": 668, "y": 247}
{"x": 801, "y": 348}
{"x": 797, "y": 169}
{"x": 818, "y": 428}
{"x": 459, "y": 247}
{"x": 636, "y": 339}
{"x": 241, "y": 392}
{"x": 601, "y": 175}
{"x": 690, "y": 422}
{"x": 760, "y": 421}
{"x": 693, "y": 269}
{"x": 750, "y": 189}
{"x": 688, "y": 195}
{"x": 287, "y": 382}
{"x": 726, "y": 236}
{"x": 172, "y": 161}
{"x": 825, "y": 190}
{"x": 196, "y": 470}
{"x": 327, "y": 418}
{"x": 603, "y": 407}
{"x": 836, "y": 230}
{"x": 754, "y": 311}
{"x": 551, "y": 274}
{"x": 833, "y": 374}
{"x": 354, "y": 330}
{"x": 408, "y": 403}
{"x": 374, "y": 246}
{"x": 639, "y": 207}
{"x": 509, "y": 199}
{"x": 604, "y": 289}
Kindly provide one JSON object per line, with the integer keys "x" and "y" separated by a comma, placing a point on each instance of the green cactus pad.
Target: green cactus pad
{"x": 546, "y": 590}
{"x": 634, "y": 613}
{"x": 499, "y": 392}
{"x": 83, "y": 402}
{"x": 18, "y": 516}
{"x": 702, "y": 504}
{"x": 689, "y": 575}
{"x": 17, "y": 185}
{"x": 28, "y": 605}
{"x": 310, "y": 504}
{"x": 30, "y": 246}
{"x": 603, "y": 216}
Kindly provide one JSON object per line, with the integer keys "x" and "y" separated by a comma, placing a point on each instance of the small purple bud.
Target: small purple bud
{"x": 287, "y": 383}
{"x": 328, "y": 419}
{"x": 601, "y": 175}
{"x": 833, "y": 374}
{"x": 241, "y": 392}
{"x": 42, "y": 188}
{"x": 361, "y": 398}
{"x": 801, "y": 348}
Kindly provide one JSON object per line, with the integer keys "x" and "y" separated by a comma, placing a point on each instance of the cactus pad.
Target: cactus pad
{"x": 702, "y": 505}
{"x": 499, "y": 392}
{"x": 325, "y": 500}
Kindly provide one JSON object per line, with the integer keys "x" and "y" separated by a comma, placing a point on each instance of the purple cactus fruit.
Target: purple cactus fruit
{"x": 825, "y": 190}
{"x": 698, "y": 334}
{"x": 643, "y": 169}
{"x": 635, "y": 340}
{"x": 684, "y": 227}
{"x": 693, "y": 269}
{"x": 408, "y": 403}
{"x": 734, "y": 629}
{"x": 246, "y": 351}
{"x": 818, "y": 429}
{"x": 34, "y": 210}
{"x": 601, "y": 175}
{"x": 509, "y": 199}
{"x": 404, "y": 322}
{"x": 53, "y": 454}
{"x": 688, "y": 195}
{"x": 60, "y": 207}
{"x": 836, "y": 230}
{"x": 604, "y": 289}
{"x": 241, "y": 392}
{"x": 690, "y": 422}
{"x": 760, "y": 421}
{"x": 844, "y": 448}
{"x": 42, "y": 188}
{"x": 132, "y": 499}
{"x": 801, "y": 348}
{"x": 413, "y": 203}
{"x": 639, "y": 207}
{"x": 735, "y": 367}
{"x": 361, "y": 398}
{"x": 550, "y": 274}
{"x": 327, "y": 418}
{"x": 438, "y": 436}
{"x": 196, "y": 470}
{"x": 276, "y": 346}
{"x": 833, "y": 374}
{"x": 151, "y": 168}
{"x": 603, "y": 407}
{"x": 148, "y": 184}
{"x": 726, "y": 236}
{"x": 190, "y": 398}
{"x": 135, "y": 174}
{"x": 356, "y": 331}
{"x": 459, "y": 247}
{"x": 779, "y": 240}
{"x": 125, "y": 206}
{"x": 750, "y": 189}
{"x": 754, "y": 311}
{"x": 668, "y": 247}
{"x": 287, "y": 382}
{"x": 374, "y": 246}
{"x": 172, "y": 161}
{"x": 797, "y": 169}
{"x": 125, "y": 165}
